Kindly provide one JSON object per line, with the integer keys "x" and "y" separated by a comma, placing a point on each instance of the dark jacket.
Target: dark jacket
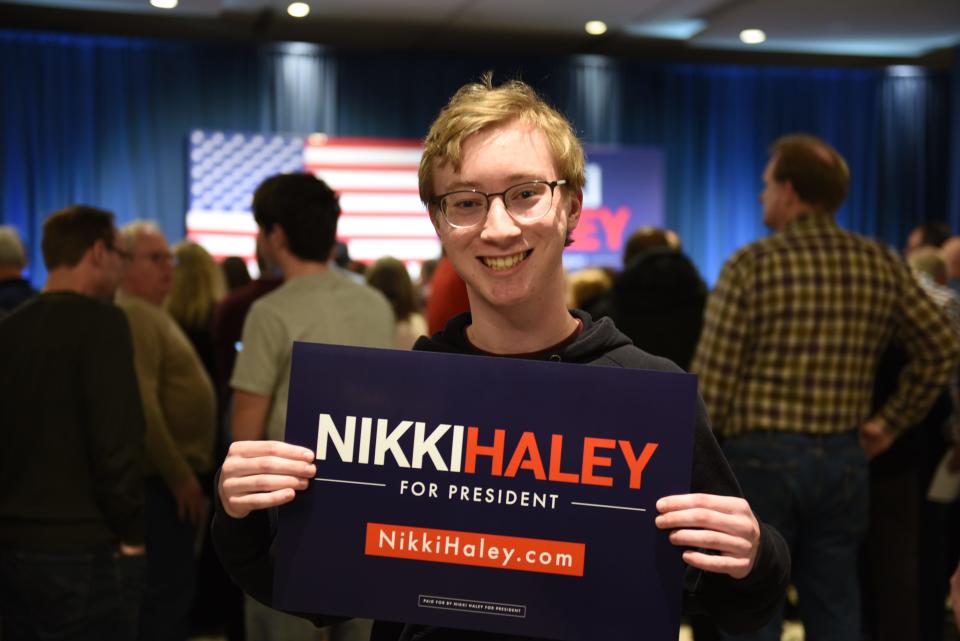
{"x": 658, "y": 301}
{"x": 737, "y": 606}
{"x": 15, "y": 291}
{"x": 72, "y": 426}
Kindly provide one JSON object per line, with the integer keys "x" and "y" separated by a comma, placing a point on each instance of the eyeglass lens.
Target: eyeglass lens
{"x": 526, "y": 201}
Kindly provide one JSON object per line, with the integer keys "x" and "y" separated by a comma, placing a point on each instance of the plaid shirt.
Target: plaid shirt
{"x": 796, "y": 325}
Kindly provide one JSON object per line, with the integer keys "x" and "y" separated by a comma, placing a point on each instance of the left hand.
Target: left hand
{"x": 725, "y": 524}
{"x": 875, "y": 439}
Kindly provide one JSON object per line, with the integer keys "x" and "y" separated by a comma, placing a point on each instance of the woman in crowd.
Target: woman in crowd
{"x": 390, "y": 276}
{"x": 198, "y": 285}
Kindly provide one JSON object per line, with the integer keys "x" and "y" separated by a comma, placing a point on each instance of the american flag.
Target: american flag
{"x": 376, "y": 179}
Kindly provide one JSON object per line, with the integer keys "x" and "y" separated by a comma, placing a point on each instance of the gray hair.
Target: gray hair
{"x": 133, "y": 230}
{"x": 12, "y": 253}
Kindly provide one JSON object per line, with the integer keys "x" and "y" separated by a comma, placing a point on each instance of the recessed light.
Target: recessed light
{"x": 752, "y": 36}
{"x": 596, "y": 27}
{"x": 298, "y": 9}
{"x": 164, "y": 4}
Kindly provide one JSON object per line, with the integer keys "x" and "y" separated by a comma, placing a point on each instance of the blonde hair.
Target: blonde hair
{"x": 198, "y": 285}
{"x": 480, "y": 105}
{"x": 586, "y": 284}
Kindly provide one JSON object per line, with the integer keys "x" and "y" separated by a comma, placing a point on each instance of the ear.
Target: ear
{"x": 573, "y": 215}
{"x": 98, "y": 252}
{"x": 277, "y": 239}
{"x": 790, "y": 191}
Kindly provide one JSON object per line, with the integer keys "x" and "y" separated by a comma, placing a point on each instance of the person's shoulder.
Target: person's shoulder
{"x": 365, "y": 295}
{"x": 751, "y": 253}
{"x": 243, "y": 296}
{"x": 145, "y": 318}
{"x": 632, "y": 357}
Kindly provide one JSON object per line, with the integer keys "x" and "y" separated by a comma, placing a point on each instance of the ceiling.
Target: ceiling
{"x": 891, "y": 30}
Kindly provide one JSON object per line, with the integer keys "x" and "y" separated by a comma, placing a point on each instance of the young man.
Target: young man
{"x": 502, "y": 175}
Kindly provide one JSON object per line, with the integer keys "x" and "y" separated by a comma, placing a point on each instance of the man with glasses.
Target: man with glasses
{"x": 180, "y": 409}
{"x": 71, "y": 423}
{"x": 502, "y": 175}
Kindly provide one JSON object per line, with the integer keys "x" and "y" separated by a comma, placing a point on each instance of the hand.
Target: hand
{"x": 706, "y": 521}
{"x": 875, "y": 439}
{"x": 261, "y": 474}
{"x": 127, "y": 549}
{"x": 192, "y": 505}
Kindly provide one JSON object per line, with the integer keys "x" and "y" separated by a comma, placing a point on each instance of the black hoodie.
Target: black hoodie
{"x": 734, "y": 605}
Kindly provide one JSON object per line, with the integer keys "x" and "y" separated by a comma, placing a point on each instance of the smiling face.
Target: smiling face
{"x": 506, "y": 264}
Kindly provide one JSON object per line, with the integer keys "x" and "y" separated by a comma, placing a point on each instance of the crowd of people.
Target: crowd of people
{"x": 145, "y": 391}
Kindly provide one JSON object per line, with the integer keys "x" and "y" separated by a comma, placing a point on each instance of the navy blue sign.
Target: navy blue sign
{"x": 494, "y": 494}
{"x": 624, "y": 192}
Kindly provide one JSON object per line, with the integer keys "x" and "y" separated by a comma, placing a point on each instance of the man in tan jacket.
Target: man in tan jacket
{"x": 180, "y": 409}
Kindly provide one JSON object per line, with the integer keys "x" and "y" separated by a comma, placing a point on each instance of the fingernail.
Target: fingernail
{"x": 310, "y": 469}
{"x": 308, "y": 456}
{"x": 660, "y": 504}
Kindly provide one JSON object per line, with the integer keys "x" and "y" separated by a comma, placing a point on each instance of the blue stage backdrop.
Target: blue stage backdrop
{"x": 101, "y": 120}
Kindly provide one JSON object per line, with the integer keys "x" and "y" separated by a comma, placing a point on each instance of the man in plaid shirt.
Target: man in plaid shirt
{"x": 786, "y": 360}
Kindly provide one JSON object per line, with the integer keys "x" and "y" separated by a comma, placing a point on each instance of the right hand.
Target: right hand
{"x": 192, "y": 504}
{"x": 261, "y": 474}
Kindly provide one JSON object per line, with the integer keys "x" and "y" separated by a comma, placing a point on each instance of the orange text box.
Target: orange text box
{"x": 475, "y": 548}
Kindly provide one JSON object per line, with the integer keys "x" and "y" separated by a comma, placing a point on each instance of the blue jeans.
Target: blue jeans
{"x": 815, "y": 490}
{"x": 89, "y": 595}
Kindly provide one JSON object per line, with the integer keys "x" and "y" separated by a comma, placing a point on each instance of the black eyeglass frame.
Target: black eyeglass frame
{"x": 552, "y": 184}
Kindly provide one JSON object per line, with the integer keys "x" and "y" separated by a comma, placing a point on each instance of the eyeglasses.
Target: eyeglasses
{"x": 158, "y": 258}
{"x": 525, "y": 202}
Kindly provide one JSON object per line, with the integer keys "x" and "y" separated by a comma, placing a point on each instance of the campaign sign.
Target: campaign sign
{"x": 624, "y": 192}
{"x": 495, "y": 494}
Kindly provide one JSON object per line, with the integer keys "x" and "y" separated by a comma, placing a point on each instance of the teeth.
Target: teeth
{"x": 503, "y": 262}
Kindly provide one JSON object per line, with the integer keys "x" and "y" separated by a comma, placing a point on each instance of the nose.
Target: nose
{"x": 499, "y": 225}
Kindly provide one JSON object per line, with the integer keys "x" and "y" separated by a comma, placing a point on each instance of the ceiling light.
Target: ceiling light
{"x": 752, "y": 36}
{"x": 596, "y": 27}
{"x": 298, "y": 9}
{"x": 680, "y": 29}
{"x": 164, "y": 4}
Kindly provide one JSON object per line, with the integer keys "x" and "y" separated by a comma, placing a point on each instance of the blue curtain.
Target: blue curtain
{"x": 719, "y": 122}
{"x": 953, "y": 177}
{"x": 104, "y": 120}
